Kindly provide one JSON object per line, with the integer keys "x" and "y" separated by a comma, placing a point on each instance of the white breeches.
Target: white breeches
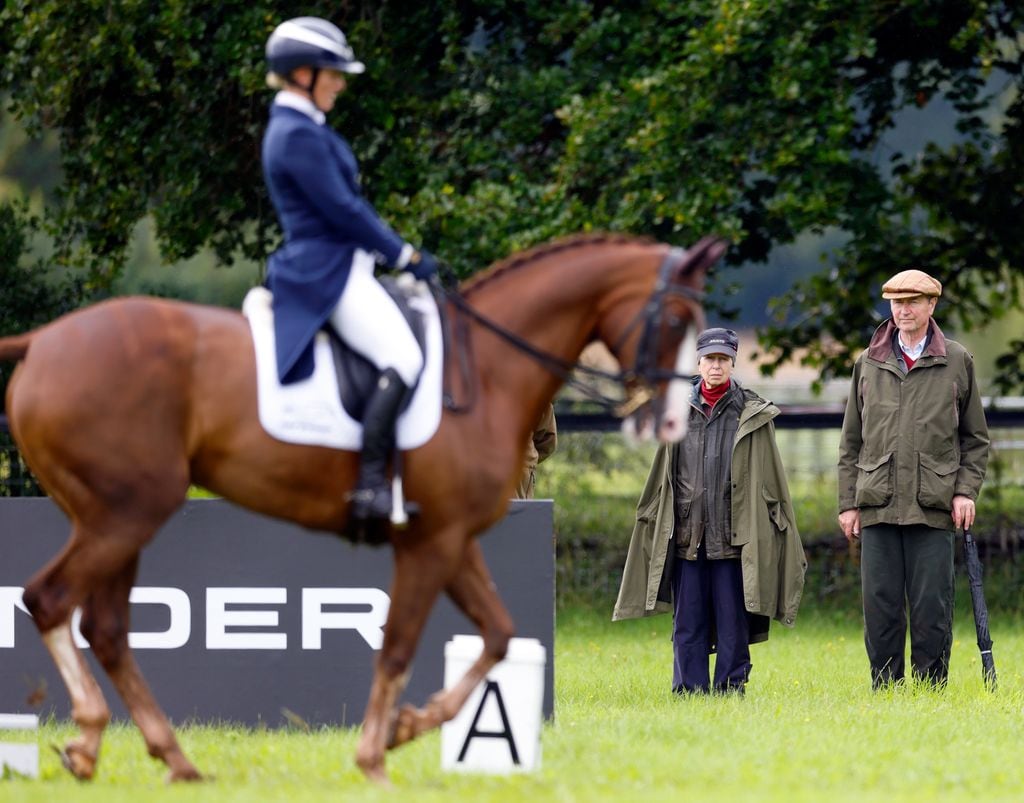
{"x": 370, "y": 322}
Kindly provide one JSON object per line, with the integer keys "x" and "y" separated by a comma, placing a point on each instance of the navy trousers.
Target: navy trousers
{"x": 708, "y": 598}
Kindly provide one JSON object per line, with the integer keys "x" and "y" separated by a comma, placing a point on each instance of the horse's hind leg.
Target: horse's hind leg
{"x": 88, "y": 707}
{"x": 97, "y": 571}
{"x": 473, "y": 591}
{"x": 105, "y": 623}
{"x": 50, "y": 597}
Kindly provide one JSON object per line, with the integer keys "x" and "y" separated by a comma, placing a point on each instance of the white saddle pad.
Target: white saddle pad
{"x": 310, "y": 411}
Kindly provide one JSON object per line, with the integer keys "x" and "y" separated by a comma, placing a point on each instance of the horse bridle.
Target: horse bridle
{"x": 645, "y": 373}
{"x": 646, "y": 367}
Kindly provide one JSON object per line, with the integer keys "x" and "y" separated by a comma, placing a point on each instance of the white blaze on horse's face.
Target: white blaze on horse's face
{"x": 635, "y": 434}
{"x": 672, "y": 426}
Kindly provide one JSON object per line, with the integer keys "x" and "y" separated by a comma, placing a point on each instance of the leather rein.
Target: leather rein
{"x": 640, "y": 380}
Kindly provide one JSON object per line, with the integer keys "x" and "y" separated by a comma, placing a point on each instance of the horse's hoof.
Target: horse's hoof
{"x": 379, "y": 776}
{"x": 373, "y": 769}
{"x": 77, "y": 760}
{"x": 185, "y": 775}
{"x": 403, "y": 726}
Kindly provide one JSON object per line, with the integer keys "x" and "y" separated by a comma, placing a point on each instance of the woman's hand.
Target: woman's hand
{"x": 422, "y": 265}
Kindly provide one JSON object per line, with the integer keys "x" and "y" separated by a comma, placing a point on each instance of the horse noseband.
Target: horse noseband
{"x": 646, "y": 368}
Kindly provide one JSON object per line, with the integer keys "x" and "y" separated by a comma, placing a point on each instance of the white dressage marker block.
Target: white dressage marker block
{"x": 19, "y": 745}
{"x": 498, "y": 729}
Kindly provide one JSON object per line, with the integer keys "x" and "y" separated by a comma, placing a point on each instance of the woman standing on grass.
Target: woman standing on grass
{"x": 716, "y": 540}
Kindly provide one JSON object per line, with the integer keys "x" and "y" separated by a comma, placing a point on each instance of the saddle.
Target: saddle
{"x": 326, "y": 409}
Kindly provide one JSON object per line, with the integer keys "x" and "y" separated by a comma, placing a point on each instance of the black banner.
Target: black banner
{"x": 243, "y": 618}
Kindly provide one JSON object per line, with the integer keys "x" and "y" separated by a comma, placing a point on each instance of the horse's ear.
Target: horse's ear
{"x": 701, "y": 257}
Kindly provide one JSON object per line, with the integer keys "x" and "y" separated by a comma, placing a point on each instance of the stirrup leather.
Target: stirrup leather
{"x": 383, "y": 503}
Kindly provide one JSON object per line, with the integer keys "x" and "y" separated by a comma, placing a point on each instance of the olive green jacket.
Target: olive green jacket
{"x": 763, "y": 524}
{"x": 912, "y": 440}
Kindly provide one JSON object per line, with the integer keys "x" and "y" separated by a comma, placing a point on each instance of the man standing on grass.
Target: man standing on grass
{"x": 912, "y": 459}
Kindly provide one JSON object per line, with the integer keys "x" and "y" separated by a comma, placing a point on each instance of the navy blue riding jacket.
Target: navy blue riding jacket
{"x": 313, "y": 178}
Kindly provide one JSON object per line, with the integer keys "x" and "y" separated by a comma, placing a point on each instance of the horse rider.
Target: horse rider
{"x": 333, "y": 238}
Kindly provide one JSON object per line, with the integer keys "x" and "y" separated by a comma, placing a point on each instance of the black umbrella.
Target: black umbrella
{"x": 988, "y": 665}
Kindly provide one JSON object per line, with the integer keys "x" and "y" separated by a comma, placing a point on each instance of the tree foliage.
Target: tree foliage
{"x": 485, "y": 126}
{"x": 28, "y": 296}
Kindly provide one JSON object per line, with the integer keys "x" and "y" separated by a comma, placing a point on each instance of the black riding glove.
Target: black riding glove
{"x": 422, "y": 265}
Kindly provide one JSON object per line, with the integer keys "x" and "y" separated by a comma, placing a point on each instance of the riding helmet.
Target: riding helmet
{"x": 310, "y": 42}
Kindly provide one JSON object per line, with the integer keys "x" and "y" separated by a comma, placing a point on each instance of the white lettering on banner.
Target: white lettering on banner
{"x": 219, "y": 619}
{"x": 178, "y": 629}
{"x": 371, "y": 611}
{"x": 10, "y": 599}
{"x": 369, "y": 624}
{"x": 76, "y": 629}
{"x": 177, "y": 633}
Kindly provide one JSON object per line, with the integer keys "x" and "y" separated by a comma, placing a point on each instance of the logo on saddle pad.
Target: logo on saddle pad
{"x": 311, "y": 412}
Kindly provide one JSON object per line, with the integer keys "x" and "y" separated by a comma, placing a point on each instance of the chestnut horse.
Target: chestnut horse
{"x": 119, "y": 407}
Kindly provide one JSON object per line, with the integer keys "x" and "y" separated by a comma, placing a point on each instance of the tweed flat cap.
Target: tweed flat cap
{"x": 717, "y": 341}
{"x": 910, "y": 283}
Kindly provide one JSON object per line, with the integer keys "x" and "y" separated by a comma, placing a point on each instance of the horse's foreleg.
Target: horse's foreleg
{"x": 105, "y": 626}
{"x": 377, "y": 722}
{"x": 473, "y": 591}
{"x": 421, "y": 571}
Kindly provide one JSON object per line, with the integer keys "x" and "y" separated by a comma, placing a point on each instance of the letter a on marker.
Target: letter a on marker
{"x": 506, "y": 731}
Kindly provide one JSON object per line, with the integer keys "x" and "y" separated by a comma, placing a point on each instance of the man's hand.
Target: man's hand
{"x": 849, "y": 522}
{"x": 963, "y": 512}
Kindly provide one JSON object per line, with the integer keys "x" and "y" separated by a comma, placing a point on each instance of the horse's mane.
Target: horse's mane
{"x": 523, "y": 258}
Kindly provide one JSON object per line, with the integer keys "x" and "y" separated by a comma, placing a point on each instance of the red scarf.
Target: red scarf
{"x": 712, "y": 395}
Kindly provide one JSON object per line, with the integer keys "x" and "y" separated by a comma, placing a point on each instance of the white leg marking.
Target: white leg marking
{"x": 62, "y": 648}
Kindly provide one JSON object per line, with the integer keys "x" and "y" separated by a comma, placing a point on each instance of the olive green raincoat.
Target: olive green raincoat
{"x": 763, "y": 526}
{"x": 912, "y": 440}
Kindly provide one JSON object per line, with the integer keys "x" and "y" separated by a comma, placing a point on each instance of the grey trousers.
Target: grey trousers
{"x": 907, "y": 568}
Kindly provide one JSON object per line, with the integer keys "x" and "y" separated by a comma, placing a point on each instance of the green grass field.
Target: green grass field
{"x": 808, "y": 729}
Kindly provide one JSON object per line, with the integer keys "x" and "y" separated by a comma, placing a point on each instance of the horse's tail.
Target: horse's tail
{"x": 15, "y": 347}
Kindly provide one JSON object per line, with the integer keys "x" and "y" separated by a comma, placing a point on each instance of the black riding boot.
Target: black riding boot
{"x": 372, "y": 496}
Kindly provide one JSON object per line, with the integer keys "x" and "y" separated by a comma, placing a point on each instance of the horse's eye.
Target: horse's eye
{"x": 673, "y": 321}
